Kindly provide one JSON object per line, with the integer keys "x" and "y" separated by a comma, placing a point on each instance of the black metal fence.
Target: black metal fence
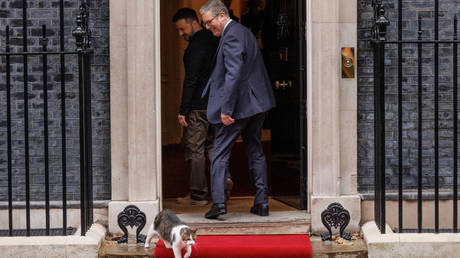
{"x": 83, "y": 54}
{"x": 381, "y": 45}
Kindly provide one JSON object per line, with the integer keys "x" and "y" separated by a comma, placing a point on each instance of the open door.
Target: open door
{"x": 285, "y": 56}
{"x": 279, "y": 28}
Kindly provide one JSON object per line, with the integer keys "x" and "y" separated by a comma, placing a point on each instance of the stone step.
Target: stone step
{"x": 321, "y": 249}
{"x": 329, "y": 249}
{"x": 233, "y": 223}
{"x": 124, "y": 250}
{"x": 244, "y": 223}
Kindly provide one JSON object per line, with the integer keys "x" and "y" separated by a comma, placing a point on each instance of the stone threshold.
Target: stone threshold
{"x": 55, "y": 246}
{"x": 328, "y": 249}
{"x": 244, "y": 223}
{"x": 409, "y": 244}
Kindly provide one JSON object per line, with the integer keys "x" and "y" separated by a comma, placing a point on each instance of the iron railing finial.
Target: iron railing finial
{"x": 380, "y": 21}
{"x": 82, "y": 33}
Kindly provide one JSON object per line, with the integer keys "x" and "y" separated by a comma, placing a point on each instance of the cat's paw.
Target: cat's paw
{"x": 186, "y": 255}
{"x": 147, "y": 245}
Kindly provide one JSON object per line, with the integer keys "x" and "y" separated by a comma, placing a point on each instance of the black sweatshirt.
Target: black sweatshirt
{"x": 198, "y": 62}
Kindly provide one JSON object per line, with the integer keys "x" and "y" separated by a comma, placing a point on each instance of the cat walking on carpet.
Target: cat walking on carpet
{"x": 173, "y": 232}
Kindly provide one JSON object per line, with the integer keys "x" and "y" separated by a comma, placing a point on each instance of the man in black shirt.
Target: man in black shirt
{"x": 198, "y": 62}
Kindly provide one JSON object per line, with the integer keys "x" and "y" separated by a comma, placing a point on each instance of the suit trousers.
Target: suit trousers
{"x": 198, "y": 140}
{"x": 225, "y": 136}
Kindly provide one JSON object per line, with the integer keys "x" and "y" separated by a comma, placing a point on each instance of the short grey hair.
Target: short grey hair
{"x": 215, "y": 7}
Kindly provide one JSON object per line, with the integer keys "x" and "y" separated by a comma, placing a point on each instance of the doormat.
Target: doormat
{"x": 245, "y": 246}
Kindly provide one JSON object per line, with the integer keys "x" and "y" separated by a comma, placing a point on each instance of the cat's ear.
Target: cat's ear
{"x": 194, "y": 230}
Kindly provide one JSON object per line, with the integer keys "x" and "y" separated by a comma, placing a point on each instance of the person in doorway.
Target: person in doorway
{"x": 240, "y": 94}
{"x": 197, "y": 133}
{"x": 227, "y": 4}
{"x": 254, "y": 19}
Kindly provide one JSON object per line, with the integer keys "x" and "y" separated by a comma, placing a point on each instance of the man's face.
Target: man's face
{"x": 185, "y": 29}
{"x": 215, "y": 24}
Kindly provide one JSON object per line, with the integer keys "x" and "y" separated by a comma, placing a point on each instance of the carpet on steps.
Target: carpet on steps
{"x": 253, "y": 246}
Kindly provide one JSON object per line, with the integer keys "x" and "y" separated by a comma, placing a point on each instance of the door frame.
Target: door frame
{"x": 158, "y": 122}
{"x": 301, "y": 138}
{"x": 303, "y": 39}
{"x": 306, "y": 79}
{"x": 308, "y": 104}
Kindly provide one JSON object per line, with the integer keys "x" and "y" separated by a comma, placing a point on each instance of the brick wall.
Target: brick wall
{"x": 47, "y": 12}
{"x": 411, "y": 10}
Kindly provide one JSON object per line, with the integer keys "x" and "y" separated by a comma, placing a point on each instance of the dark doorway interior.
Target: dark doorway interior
{"x": 278, "y": 26}
{"x": 176, "y": 170}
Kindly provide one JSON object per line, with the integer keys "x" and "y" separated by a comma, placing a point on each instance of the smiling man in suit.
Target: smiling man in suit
{"x": 240, "y": 94}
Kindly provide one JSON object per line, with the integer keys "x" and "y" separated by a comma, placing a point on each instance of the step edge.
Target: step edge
{"x": 250, "y": 224}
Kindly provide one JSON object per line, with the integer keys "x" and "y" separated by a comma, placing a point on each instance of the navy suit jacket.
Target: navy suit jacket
{"x": 239, "y": 84}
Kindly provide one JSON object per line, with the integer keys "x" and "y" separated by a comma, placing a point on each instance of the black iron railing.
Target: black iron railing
{"x": 380, "y": 42}
{"x": 83, "y": 52}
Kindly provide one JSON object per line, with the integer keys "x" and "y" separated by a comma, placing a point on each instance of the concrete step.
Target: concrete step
{"x": 329, "y": 249}
{"x": 244, "y": 223}
{"x": 321, "y": 249}
{"x": 124, "y": 250}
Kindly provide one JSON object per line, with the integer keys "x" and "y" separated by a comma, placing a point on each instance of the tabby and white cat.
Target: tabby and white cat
{"x": 174, "y": 233}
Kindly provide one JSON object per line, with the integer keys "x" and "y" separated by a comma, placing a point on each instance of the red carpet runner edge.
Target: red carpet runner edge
{"x": 253, "y": 246}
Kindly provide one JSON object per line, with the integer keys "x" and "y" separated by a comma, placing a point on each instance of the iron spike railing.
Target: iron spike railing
{"x": 379, "y": 33}
{"x": 82, "y": 35}
{"x": 419, "y": 128}
{"x": 26, "y": 115}
{"x": 44, "y": 43}
{"x": 400, "y": 122}
{"x": 83, "y": 51}
{"x": 379, "y": 42}
{"x": 455, "y": 123}
{"x": 8, "y": 128}
{"x": 436, "y": 116}
{"x": 63, "y": 119}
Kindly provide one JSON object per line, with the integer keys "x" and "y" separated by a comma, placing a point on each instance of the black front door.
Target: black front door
{"x": 285, "y": 57}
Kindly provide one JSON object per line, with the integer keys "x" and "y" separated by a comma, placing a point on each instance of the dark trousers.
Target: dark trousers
{"x": 198, "y": 139}
{"x": 251, "y": 131}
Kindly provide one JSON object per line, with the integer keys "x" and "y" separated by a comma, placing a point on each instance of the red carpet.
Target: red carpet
{"x": 253, "y": 246}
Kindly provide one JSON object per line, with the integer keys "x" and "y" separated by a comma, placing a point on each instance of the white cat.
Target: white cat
{"x": 173, "y": 232}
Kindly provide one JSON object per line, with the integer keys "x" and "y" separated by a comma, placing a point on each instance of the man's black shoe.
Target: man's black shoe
{"x": 216, "y": 210}
{"x": 260, "y": 209}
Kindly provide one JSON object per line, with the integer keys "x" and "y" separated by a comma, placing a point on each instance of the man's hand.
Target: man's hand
{"x": 182, "y": 121}
{"x": 226, "y": 119}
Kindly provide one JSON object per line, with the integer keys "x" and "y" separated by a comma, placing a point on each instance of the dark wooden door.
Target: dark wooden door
{"x": 284, "y": 46}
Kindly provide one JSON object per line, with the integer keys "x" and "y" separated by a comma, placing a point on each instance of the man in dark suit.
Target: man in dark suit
{"x": 240, "y": 94}
{"x": 192, "y": 114}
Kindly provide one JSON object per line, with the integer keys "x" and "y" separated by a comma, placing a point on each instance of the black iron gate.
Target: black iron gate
{"x": 83, "y": 54}
{"x": 381, "y": 45}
